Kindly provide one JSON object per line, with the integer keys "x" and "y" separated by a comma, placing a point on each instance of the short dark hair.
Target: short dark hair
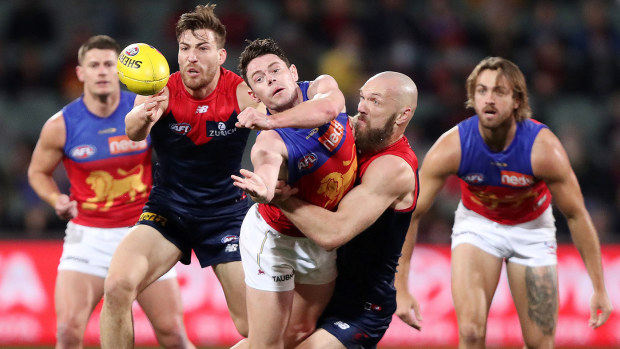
{"x": 203, "y": 17}
{"x": 515, "y": 77}
{"x": 102, "y": 42}
{"x": 255, "y": 49}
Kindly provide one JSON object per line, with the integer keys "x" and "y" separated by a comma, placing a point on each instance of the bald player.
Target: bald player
{"x": 371, "y": 222}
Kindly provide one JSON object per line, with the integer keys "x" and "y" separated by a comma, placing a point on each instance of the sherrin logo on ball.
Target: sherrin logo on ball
{"x": 143, "y": 69}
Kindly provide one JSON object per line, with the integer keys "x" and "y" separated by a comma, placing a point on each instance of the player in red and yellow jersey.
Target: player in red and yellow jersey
{"x": 290, "y": 279}
{"x": 510, "y": 167}
{"x": 110, "y": 178}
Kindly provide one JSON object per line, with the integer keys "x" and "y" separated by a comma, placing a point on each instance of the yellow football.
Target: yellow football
{"x": 143, "y": 69}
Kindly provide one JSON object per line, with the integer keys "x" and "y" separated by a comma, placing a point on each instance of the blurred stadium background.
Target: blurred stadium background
{"x": 568, "y": 50}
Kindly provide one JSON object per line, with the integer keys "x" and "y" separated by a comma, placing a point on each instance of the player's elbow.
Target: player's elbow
{"x": 331, "y": 239}
{"x": 329, "y": 110}
{"x": 134, "y": 135}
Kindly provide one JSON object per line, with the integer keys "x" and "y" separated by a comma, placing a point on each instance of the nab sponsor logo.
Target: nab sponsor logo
{"x": 516, "y": 179}
{"x": 153, "y": 217}
{"x": 229, "y": 238}
{"x": 83, "y": 151}
{"x": 122, "y": 144}
{"x": 222, "y": 130}
{"x": 474, "y": 178}
{"x": 307, "y": 162}
{"x": 181, "y": 129}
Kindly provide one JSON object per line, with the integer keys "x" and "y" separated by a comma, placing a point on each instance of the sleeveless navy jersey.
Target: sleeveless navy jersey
{"x": 367, "y": 264}
{"x": 198, "y": 147}
{"x": 110, "y": 174}
{"x": 501, "y": 185}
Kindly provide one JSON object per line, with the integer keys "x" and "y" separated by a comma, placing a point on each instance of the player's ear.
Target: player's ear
{"x": 293, "y": 70}
{"x": 222, "y": 56}
{"x": 79, "y": 71}
{"x": 404, "y": 115}
{"x": 253, "y": 96}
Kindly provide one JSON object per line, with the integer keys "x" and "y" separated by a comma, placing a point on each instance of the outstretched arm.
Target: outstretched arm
{"x": 145, "y": 113}
{"x": 46, "y": 156}
{"x": 268, "y": 154}
{"x": 550, "y": 163}
{"x": 441, "y": 161}
{"x": 325, "y": 102}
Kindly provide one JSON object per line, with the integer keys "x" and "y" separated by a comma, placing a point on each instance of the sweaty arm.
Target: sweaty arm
{"x": 145, "y": 113}
{"x": 551, "y": 164}
{"x": 46, "y": 156}
{"x": 359, "y": 208}
{"x": 268, "y": 155}
{"x": 325, "y": 102}
{"x": 441, "y": 161}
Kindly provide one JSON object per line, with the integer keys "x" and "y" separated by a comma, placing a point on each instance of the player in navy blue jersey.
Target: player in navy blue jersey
{"x": 370, "y": 224}
{"x": 193, "y": 204}
{"x": 110, "y": 178}
{"x": 509, "y": 167}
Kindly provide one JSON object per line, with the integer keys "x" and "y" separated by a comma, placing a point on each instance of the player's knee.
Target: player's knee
{"x": 119, "y": 291}
{"x": 472, "y": 333}
{"x": 544, "y": 342}
{"x": 173, "y": 337}
{"x": 297, "y": 333}
{"x": 69, "y": 333}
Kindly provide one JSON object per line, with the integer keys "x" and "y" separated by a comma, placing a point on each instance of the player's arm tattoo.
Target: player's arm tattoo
{"x": 542, "y": 297}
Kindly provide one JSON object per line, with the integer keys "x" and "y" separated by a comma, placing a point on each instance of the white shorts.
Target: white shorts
{"x": 89, "y": 250}
{"x": 275, "y": 262}
{"x": 531, "y": 243}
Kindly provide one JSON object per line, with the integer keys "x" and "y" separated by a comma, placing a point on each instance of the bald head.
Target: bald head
{"x": 387, "y": 103}
{"x": 398, "y": 86}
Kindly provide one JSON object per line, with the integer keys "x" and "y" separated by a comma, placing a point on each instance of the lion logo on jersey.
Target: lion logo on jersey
{"x": 107, "y": 188}
{"x": 335, "y": 185}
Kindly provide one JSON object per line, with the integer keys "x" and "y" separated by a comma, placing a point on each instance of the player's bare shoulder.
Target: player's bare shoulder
{"x": 549, "y": 158}
{"x": 390, "y": 174}
{"x": 444, "y": 157}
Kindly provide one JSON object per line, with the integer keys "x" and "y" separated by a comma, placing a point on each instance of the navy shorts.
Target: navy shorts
{"x": 214, "y": 239}
{"x": 351, "y": 333}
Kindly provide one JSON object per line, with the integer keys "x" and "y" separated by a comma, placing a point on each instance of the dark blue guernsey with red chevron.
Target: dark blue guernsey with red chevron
{"x": 198, "y": 148}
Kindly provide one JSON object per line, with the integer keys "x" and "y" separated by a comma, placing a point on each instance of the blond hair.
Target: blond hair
{"x": 515, "y": 77}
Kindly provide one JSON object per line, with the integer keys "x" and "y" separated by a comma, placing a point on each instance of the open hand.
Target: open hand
{"x": 253, "y": 185}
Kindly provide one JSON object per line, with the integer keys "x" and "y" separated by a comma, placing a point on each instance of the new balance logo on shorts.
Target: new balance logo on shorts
{"x": 342, "y": 325}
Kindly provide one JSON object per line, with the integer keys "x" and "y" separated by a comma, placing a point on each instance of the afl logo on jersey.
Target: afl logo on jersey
{"x": 474, "y": 178}
{"x": 307, "y": 161}
{"x": 83, "y": 151}
{"x": 229, "y": 238}
{"x": 181, "y": 129}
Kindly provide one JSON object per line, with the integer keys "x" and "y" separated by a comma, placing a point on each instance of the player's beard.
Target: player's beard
{"x": 371, "y": 140}
{"x": 200, "y": 82}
